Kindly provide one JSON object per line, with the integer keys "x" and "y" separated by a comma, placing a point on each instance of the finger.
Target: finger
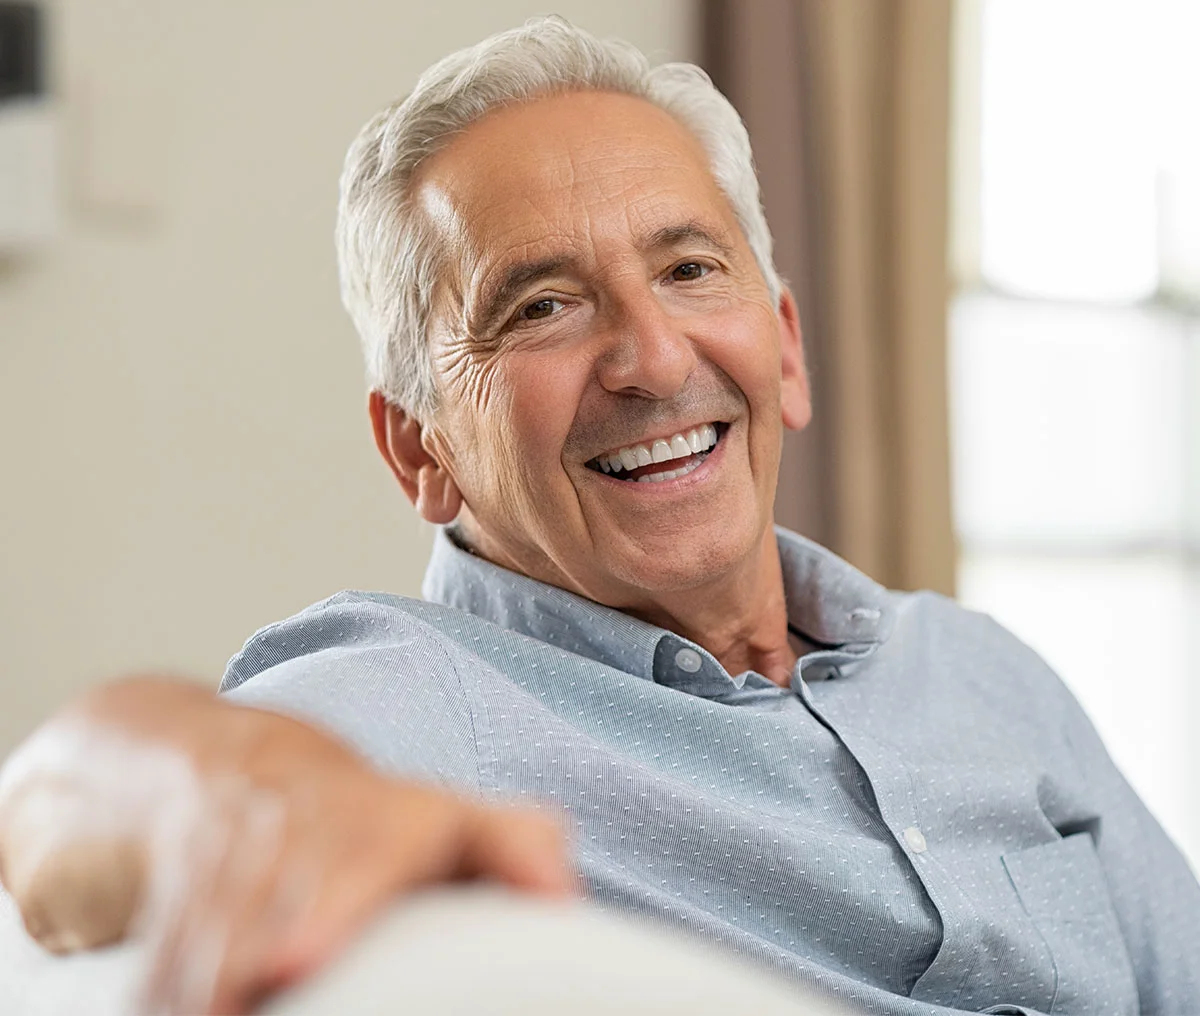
{"x": 178, "y": 924}
{"x": 437, "y": 838}
{"x": 415, "y": 837}
{"x": 341, "y": 902}
{"x": 282, "y": 902}
{"x": 527, "y": 850}
{"x": 453, "y": 840}
{"x": 224, "y": 880}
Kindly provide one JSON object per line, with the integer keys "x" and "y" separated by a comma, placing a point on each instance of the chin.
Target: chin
{"x": 687, "y": 562}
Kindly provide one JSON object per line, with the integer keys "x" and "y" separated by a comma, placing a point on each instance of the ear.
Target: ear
{"x": 402, "y": 441}
{"x": 795, "y": 395}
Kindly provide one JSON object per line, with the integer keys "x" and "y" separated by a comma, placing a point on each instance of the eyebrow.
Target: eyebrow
{"x": 516, "y": 278}
{"x": 520, "y": 275}
{"x": 684, "y": 232}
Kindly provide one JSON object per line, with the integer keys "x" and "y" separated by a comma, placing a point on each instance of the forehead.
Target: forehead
{"x": 578, "y": 169}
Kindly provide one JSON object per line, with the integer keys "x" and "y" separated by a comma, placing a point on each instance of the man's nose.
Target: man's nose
{"x": 647, "y": 351}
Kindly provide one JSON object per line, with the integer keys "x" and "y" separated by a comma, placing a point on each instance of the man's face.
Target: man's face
{"x": 601, "y": 309}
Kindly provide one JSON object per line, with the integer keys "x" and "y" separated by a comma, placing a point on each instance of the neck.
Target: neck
{"x": 741, "y": 620}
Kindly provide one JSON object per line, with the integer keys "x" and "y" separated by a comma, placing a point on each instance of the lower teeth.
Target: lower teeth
{"x": 670, "y": 474}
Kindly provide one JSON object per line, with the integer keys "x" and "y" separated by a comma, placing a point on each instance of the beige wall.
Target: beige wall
{"x": 186, "y": 452}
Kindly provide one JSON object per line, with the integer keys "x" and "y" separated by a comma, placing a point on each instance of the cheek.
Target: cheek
{"x": 515, "y": 425}
{"x": 545, "y": 391}
{"x": 746, "y": 346}
{"x": 485, "y": 406}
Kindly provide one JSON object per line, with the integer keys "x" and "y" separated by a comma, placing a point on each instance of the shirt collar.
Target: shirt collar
{"x": 832, "y": 604}
{"x": 828, "y": 600}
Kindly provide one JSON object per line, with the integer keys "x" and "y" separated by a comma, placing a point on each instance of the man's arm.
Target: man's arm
{"x": 1155, "y": 894}
{"x": 152, "y": 805}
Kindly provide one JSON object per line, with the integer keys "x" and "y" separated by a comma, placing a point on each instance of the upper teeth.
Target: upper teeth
{"x": 678, "y": 446}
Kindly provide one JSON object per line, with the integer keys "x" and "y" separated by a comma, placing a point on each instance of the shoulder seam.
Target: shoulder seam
{"x": 468, "y": 702}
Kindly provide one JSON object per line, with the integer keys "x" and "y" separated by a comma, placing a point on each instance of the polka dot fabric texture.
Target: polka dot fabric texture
{"x": 924, "y": 822}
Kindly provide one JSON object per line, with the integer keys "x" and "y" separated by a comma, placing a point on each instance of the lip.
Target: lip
{"x": 701, "y": 474}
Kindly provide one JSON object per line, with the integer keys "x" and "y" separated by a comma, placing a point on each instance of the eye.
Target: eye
{"x": 542, "y": 308}
{"x": 689, "y": 271}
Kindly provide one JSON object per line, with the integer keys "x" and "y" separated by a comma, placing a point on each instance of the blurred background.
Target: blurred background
{"x": 989, "y": 209}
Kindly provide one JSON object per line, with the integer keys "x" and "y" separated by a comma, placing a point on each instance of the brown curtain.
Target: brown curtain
{"x": 847, "y": 104}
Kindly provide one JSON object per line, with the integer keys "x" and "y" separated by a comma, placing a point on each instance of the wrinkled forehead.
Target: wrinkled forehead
{"x": 576, "y": 174}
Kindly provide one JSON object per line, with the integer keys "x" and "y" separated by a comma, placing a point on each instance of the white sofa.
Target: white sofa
{"x": 453, "y": 951}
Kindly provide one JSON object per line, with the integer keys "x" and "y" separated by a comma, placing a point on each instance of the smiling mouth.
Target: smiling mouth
{"x": 665, "y": 459}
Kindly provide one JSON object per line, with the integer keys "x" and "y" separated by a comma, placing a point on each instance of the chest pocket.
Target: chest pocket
{"x": 1064, "y": 892}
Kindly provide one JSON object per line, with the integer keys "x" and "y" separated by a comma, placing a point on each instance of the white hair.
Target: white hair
{"x": 388, "y": 250}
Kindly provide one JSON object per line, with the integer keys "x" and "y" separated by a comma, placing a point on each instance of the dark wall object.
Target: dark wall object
{"x": 21, "y": 44}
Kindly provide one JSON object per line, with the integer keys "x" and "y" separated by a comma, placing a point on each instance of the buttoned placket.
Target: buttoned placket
{"x": 892, "y": 791}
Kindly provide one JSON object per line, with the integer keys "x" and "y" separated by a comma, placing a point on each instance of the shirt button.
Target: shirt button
{"x": 688, "y": 660}
{"x": 915, "y": 840}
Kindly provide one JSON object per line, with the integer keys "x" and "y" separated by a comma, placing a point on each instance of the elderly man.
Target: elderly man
{"x": 581, "y": 361}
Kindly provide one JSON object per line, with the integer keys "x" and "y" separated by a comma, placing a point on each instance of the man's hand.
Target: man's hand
{"x": 246, "y": 847}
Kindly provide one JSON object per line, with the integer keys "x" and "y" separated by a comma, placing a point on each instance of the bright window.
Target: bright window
{"x": 1075, "y": 378}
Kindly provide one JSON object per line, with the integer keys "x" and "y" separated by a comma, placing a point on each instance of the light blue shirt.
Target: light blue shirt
{"x": 924, "y": 821}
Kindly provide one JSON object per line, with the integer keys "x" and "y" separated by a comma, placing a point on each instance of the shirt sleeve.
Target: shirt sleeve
{"x": 382, "y": 681}
{"x": 1154, "y": 892}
